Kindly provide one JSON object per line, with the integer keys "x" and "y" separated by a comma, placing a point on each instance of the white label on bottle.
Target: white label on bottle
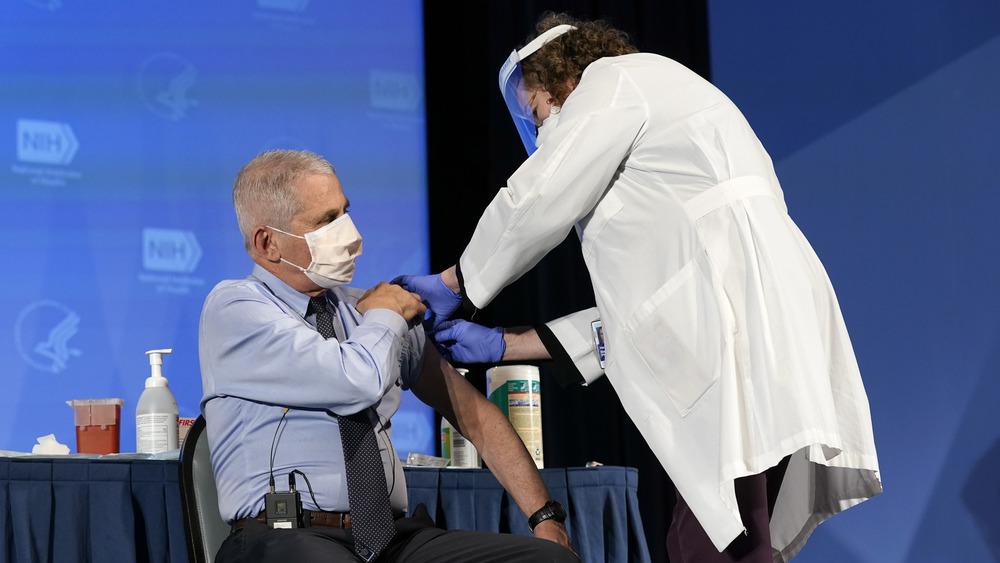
{"x": 155, "y": 432}
{"x": 463, "y": 453}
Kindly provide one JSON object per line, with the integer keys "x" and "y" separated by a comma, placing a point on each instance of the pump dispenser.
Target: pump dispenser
{"x": 156, "y": 411}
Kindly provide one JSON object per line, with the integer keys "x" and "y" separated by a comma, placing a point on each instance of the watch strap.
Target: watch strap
{"x": 551, "y": 510}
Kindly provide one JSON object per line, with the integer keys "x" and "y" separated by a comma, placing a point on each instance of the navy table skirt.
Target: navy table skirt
{"x": 124, "y": 510}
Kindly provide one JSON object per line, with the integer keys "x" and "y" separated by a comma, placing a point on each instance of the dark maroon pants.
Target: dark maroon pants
{"x": 687, "y": 541}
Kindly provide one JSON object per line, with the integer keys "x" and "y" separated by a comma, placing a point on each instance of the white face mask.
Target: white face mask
{"x": 333, "y": 248}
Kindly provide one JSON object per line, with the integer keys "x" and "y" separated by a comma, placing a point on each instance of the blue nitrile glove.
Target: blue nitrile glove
{"x": 469, "y": 343}
{"x": 441, "y": 301}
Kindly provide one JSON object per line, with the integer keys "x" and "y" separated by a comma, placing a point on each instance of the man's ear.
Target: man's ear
{"x": 263, "y": 244}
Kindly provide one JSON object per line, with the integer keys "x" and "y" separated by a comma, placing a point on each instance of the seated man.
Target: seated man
{"x": 291, "y": 360}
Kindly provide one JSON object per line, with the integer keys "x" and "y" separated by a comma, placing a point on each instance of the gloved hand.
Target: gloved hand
{"x": 441, "y": 301}
{"x": 461, "y": 341}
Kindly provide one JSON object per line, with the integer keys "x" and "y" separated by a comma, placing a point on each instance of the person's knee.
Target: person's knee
{"x": 551, "y": 551}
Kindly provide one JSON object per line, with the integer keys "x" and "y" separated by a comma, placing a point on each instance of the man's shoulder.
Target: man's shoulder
{"x": 228, "y": 290}
{"x": 349, "y": 294}
{"x": 244, "y": 284}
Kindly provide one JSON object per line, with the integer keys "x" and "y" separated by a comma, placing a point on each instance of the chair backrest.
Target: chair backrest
{"x": 204, "y": 527}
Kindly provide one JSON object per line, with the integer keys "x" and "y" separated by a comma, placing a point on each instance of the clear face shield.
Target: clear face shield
{"x": 515, "y": 95}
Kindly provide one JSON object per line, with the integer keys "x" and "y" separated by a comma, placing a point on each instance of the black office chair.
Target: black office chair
{"x": 203, "y": 524}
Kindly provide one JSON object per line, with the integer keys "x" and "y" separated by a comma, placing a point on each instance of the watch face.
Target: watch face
{"x": 551, "y": 510}
{"x": 558, "y": 511}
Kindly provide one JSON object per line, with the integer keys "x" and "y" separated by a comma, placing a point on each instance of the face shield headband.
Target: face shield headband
{"x": 515, "y": 95}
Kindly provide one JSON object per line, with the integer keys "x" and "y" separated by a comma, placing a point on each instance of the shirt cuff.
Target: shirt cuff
{"x": 564, "y": 371}
{"x": 569, "y": 340}
{"x": 467, "y": 305}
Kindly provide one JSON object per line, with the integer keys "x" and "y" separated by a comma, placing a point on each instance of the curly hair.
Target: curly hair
{"x": 564, "y": 58}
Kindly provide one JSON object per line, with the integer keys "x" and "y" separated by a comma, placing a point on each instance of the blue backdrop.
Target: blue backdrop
{"x": 882, "y": 120}
{"x": 126, "y": 123}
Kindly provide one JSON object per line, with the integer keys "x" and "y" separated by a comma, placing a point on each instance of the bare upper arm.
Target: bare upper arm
{"x": 445, "y": 390}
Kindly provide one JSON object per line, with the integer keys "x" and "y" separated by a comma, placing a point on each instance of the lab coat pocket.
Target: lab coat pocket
{"x": 592, "y": 225}
{"x": 678, "y": 334}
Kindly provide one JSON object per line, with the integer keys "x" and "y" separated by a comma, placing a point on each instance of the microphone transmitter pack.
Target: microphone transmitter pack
{"x": 283, "y": 510}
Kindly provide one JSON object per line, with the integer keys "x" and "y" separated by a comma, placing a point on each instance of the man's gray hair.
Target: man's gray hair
{"x": 265, "y": 193}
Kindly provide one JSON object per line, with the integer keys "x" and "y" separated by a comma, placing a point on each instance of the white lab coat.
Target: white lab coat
{"x": 725, "y": 341}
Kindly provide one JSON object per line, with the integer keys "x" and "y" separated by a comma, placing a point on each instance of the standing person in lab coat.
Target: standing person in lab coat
{"x": 722, "y": 333}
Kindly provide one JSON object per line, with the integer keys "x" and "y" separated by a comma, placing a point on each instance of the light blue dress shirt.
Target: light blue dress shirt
{"x": 260, "y": 355}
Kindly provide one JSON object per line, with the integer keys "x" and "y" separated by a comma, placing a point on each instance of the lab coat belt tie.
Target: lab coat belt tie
{"x": 726, "y": 193}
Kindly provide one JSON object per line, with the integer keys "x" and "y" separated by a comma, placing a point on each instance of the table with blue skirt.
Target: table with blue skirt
{"x": 122, "y": 509}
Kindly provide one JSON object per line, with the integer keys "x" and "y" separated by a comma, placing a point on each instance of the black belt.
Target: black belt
{"x": 340, "y": 520}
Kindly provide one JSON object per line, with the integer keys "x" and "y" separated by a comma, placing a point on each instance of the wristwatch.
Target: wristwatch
{"x": 550, "y": 510}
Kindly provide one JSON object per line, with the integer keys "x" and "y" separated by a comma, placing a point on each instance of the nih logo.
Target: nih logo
{"x": 167, "y": 250}
{"x": 45, "y": 142}
{"x": 395, "y": 91}
{"x": 287, "y": 5}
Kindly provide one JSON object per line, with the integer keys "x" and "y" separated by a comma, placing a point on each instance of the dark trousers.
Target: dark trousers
{"x": 687, "y": 541}
{"x": 417, "y": 540}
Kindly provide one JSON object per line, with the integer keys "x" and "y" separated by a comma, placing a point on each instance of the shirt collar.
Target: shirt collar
{"x": 292, "y": 297}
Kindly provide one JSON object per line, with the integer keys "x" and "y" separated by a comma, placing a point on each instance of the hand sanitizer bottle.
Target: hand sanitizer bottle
{"x": 156, "y": 411}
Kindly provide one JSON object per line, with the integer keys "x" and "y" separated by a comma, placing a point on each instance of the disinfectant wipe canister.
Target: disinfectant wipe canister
{"x": 517, "y": 391}
{"x": 456, "y": 447}
{"x": 156, "y": 411}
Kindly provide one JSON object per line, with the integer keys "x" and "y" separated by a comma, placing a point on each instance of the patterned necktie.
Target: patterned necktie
{"x": 372, "y": 523}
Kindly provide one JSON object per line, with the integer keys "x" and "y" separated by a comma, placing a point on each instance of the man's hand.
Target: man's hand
{"x": 395, "y": 298}
{"x": 441, "y": 299}
{"x": 469, "y": 343}
{"x": 554, "y": 531}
